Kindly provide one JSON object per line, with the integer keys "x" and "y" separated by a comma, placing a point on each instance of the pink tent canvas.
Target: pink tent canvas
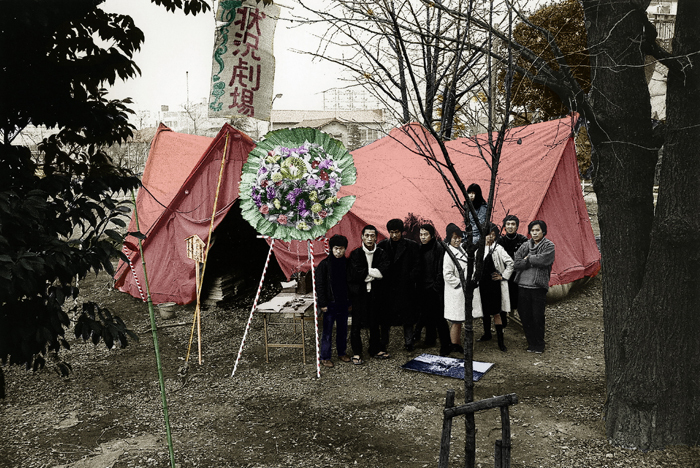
{"x": 537, "y": 179}
{"x": 180, "y": 181}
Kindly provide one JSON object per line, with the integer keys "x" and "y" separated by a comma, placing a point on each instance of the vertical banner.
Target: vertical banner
{"x": 243, "y": 65}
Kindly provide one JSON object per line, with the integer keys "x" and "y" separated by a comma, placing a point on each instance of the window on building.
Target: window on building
{"x": 368, "y": 134}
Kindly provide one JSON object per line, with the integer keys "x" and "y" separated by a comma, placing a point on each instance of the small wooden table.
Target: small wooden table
{"x": 287, "y": 305}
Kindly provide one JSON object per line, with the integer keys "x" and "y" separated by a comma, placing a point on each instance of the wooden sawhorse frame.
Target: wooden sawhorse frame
{"x": 502, "y": 450}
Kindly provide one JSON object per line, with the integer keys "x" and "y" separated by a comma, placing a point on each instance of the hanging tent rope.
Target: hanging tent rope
{"x": 126, "y": 251}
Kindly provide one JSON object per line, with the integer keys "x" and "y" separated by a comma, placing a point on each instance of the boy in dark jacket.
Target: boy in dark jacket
{"x": 333, "y": 299}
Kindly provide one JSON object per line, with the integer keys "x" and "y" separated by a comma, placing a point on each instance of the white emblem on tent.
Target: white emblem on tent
{"x": 195, "y": 248}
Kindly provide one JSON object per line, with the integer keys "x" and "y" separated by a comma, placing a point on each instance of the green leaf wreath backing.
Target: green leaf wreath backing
{"x": 289, "y": 183}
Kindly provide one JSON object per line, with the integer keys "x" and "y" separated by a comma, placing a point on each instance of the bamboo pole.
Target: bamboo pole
{"x": 198, "y": 278}
{"x": 200, "y": 281}
{"x": 154, "y": 331}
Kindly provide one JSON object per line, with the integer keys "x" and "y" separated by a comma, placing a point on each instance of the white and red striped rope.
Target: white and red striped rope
{"x": 310, "y": 245}
{"x": 133, "y": 272}
{"x": 255, "y": 306}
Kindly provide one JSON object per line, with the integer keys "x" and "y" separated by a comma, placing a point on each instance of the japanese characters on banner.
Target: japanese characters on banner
{"x": 243, "y": 65}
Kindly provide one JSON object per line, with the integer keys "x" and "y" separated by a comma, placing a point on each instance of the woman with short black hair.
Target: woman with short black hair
{"x": 533, "y": 264}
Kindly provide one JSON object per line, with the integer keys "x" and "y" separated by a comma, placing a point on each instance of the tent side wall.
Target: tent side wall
{"x": 171, "y": 160}
{"x": 568, "y": 225}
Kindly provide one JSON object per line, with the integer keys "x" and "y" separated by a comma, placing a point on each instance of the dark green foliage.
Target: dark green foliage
{"x": 95, "y": 323}
{"x": 59, "y": 207}
{"x": 565, "y": 21}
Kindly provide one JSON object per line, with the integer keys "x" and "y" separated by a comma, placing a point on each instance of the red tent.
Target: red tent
{"x": 180, "y": 181}
{"x": 537, "y": 179}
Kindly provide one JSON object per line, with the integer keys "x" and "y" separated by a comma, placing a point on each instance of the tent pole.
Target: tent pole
{"x": 200, "y": 280}
{"x": 199, "y": 315}
{"x": 310, "y": 247}
{"x": 255, "y": 306}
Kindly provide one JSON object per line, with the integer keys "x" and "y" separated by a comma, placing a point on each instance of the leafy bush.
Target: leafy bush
{"x": 59, "y": 200}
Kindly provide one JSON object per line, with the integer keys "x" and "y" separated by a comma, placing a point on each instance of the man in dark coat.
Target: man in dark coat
{"x": 511, "y": 242}
{"x": 400, "y": 284}
{"x": 431, "y": 288}
{"x": 368, "y": 265}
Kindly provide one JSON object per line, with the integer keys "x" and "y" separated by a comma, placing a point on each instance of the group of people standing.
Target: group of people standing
{"x": 399, "y": 282}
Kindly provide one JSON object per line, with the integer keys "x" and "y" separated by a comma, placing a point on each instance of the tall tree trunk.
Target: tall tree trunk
{"x": 650, "y": 288}
{"x": 654, "y": 388}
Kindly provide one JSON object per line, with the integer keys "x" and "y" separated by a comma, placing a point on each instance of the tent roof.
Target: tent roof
{"x": 170, "y": 161}
{"x": 392, "y": 180}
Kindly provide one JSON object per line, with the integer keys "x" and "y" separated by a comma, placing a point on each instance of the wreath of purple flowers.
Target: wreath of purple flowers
{"x": 289, "y": 191}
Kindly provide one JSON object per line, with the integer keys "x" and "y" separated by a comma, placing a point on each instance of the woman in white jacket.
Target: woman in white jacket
{"x": 491, "y": 297}
{"x": 454, "y": 296}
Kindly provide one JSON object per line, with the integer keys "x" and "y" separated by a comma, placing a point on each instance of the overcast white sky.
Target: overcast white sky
{"x": 176, "y": 44}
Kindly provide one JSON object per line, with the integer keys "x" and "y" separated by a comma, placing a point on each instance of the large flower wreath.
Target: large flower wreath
{"x": 289, "y": 186}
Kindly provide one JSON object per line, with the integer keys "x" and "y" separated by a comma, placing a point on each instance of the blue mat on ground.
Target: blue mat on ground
{"x": 446, "y": 366}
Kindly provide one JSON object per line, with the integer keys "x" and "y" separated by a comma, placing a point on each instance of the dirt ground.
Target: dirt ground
{"x": 108, "y": 412}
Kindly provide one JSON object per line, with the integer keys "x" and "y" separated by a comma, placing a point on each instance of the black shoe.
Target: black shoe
{"x": 408, "y": 347}
{"x": 485, "y": 337}
{"x": 445, "y": 352}
{"x": 429, "y": 344}
{"x": 457, "y": 349}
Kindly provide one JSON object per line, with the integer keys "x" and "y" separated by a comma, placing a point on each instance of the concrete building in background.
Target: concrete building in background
{"x": 371, "y": 124}
{"x": 350, "y": 99}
